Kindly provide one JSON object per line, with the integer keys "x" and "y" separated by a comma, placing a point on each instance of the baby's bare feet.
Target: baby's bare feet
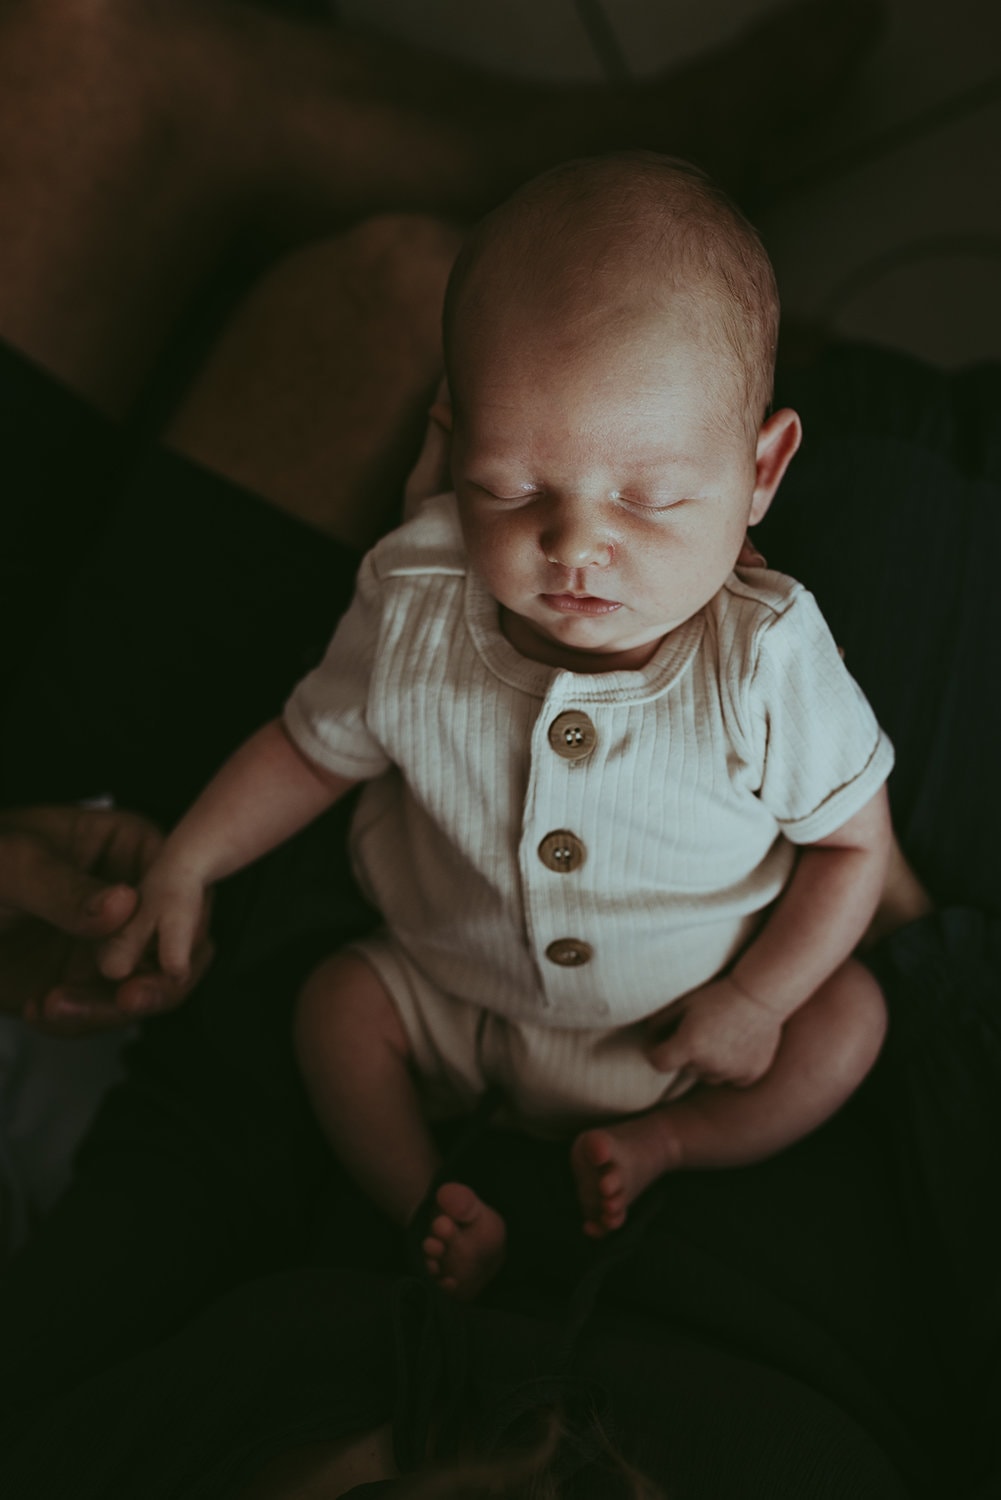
{"x": 465, "y": 1247}
{"x": 614, "y": 1164}
{"x": 601, "y": 1186}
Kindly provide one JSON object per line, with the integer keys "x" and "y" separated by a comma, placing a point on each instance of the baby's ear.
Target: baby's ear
{"x": 430, "y": 474}
{"x": 441, "y": 409}
{"x": 778, "y": 440}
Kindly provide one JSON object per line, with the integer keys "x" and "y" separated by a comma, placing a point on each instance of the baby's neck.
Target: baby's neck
{"x": 529, "y": 642}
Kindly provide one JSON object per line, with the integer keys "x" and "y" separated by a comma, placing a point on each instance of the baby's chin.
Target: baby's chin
{"x": 581, "y": 651}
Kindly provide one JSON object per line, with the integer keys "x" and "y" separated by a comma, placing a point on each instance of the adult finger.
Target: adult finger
{"x": 75, "y": 1011}
{"x": 84, "y": 1006}
{"x": 148, "y": 994}
{"x": 37, "y": 881}
{"x": 128, "y": 845}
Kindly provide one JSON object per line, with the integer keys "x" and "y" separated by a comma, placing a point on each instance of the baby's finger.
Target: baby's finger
{"x": 744, "y": 1080}
{"x": 670, "y": 1056}
{"x": 119, "y": 954}
{"x": 723, "y": 1080}
{"x": 179, "y": 932}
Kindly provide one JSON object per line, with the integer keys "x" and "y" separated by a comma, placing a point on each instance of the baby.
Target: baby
{"x": 625, "y": 818}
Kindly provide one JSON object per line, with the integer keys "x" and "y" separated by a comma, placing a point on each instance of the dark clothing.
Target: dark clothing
{"x": 822, "y": 1325}
{"x": 891, "y": 514}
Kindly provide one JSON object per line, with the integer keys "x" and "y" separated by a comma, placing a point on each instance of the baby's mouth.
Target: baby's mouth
{"x": 580, "y": 604}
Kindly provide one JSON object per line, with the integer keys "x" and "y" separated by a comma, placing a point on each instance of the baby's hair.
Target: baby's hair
{"x": 637, "y": 230}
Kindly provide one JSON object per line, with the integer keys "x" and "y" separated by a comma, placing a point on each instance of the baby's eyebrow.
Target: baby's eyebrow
{"x": 516, "y": 472}
{"x": 644, "y": 469}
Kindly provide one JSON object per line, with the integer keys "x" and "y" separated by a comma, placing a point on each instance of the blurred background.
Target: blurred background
{"x": 883, "y": 219}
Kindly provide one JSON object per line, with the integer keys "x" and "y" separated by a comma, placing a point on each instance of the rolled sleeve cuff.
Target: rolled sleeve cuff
{"x": 339, "y": 759}
{"x": 845, "y": 801}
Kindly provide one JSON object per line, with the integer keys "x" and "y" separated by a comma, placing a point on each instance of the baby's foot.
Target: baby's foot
{"x": 465, "y": 1247}
{"x": 616, "y": 1163}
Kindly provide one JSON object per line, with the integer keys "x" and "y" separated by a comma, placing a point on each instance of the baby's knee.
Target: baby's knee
{"x": 342, "y": 1002}
{"x": 856, "y": 1016}
{"x": 326, "y": 1000}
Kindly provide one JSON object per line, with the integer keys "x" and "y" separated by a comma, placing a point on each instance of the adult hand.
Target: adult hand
{"x": 716, "y": 1034}
{"x": 67, "y": 880}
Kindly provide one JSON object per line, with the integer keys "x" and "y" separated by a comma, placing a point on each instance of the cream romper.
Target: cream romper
{"x": 559, "y": 855}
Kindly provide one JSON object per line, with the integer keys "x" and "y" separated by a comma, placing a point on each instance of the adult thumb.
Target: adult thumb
{"x": 35, "y": 881}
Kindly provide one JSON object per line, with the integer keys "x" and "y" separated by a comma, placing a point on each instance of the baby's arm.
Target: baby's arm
{"x": 263, "y": 794}
{"x": 729, "y": 1029}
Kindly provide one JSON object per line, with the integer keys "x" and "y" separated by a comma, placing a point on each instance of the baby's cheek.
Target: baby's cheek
{"x": 506, "y": 547}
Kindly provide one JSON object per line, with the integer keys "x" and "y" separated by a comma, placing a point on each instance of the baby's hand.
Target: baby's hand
{"x": 716, "y": 1034}
{"x": 169, "y": 926}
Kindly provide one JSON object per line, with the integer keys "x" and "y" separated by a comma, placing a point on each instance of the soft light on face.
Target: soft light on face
{"x": 604, "y": 486}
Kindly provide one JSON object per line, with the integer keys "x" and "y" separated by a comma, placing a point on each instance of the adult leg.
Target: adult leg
{"x": 139, "y": 138}
{"x": 316, "y": 396}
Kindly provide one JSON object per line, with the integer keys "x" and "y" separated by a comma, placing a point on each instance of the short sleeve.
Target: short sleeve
{"x": 823, "y": 753}
{"x": 327, "y": 713}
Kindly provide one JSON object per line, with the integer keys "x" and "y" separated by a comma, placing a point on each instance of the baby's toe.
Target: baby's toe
{"x": 458, "y": 1202}
{"x": 613, "y": 1218}
{"x": 443, "y": 1228}
{"x": 610, "y": 1184}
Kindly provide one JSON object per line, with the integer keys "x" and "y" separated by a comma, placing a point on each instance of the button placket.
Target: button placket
{"x": 563, "y": 747}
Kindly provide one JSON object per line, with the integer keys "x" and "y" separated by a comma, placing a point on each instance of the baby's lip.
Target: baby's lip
{"x": 580, "y": 604}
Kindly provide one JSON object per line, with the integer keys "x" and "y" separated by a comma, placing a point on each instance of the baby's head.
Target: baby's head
{"x": 610, "y": 340}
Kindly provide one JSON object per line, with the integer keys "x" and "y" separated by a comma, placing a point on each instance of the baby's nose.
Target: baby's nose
{"x": 575, "y": 538}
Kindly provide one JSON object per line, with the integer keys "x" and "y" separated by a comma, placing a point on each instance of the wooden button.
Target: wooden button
{"x": 569, "y": 953}
{"x": 562, "y": 851}
{"x": 572, "y": 735}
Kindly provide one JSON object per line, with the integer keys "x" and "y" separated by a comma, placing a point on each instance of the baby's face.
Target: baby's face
{"x": 603, "y": 493}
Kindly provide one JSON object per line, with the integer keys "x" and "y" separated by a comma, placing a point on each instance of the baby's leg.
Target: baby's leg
{"x": 357, "y": 1062}
{"x": 827, "y": 1048}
